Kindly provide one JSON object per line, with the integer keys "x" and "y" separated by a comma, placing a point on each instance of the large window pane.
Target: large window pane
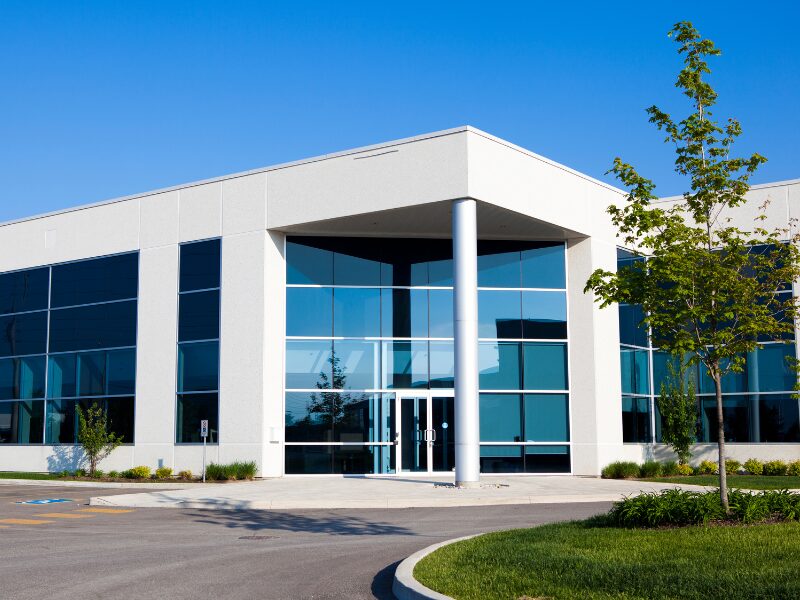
{"x": 309, "y": 312}
{"x": 355, "y": 270}
{"x": 631, "y": 332}
{"x": 61, "y": 422}
{"x": 501, "y": 417}
{"x": 21, "y": 422}
{"x": 121, "y": 372}
{"x": 24, "y": 291}
{"x": 22, "y": 378}
{"x": 356, "y": 312}
{"x": 96, "y": 280}
{"x": 635, "y": 371}
{"x": 356, "y": 365}
{"x": 779, "y": 419}
{"x": 198, "y": 316}
{"x": 91, "y": 374}
{"x": 365, "y": 418}
{"x": 200, "y": 265}
{"x": 310, "y": 416}
{"x": 544, "y": 267}
{"x": 309, "y": 460}
{"x": 405, "y": 364}
{"x": 769, "y": 368}
{"x": 737, "y": 412}
{"x": 306, "y": 264}
{"x": 62, "y": 419}
{"x": 308, "y": 364}
{"x": 502, "y": 459}
{"x": 404, "y": 313}
{"x": 544, "y": 315}
{"x": 499, "y": 366}
{"x": 89, "y": 327}
{"x": 193, "y": 408}
{"x": 545, "y": 366}
{"x": 499, "y": 314}
{"x": 635, "y": 419}
{"x": 23, "y": 334}
{"x": 344, "y": 460}
{"x": 442, "y": 365}
{"x": 120, "y": 417}
{"x": 546, "y": 418}
{"x": 441, "y": 313}
{"x": 198, "y": 367}
{"x": 62, "y": 376}
{"x": 547, "y": 459}
{"x": 500, "y": 269}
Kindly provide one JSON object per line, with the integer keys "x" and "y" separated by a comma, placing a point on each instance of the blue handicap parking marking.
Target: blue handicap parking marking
{"x": 45, "y": 501}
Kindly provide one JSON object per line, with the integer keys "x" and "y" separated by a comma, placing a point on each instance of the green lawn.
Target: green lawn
{"x": 23, "y": 475}
{"x": 56, "y": 476}
{"x": 748, "y": 482}
{"x": 575, "y": 560}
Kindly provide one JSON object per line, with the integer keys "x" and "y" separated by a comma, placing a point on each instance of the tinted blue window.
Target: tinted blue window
{"x": 21, "y": 422}
{"x": 499, "y": 314}
{"x": 62, "y": 376}
{"x": 92, "y": 374}
{"x": 544, "y": 267}
{"x": 779, "y": 419}
{"x": 404, "y": 273}
{"x": 198, "y": 367}
{"x": 193, "y": 408}
{"x": 502, "y": 459}
{"x": 364, "y": 418}
{"x": 309, "y": 312}
{"x": 737, "y": 413}
{"x": 769, "y": 370}
{"x": 440, "y": 272}
{"x": 547, "y": 459}
{"x": 441, "y": 313}
{"x": 22, "y": 378}
{"x": 546, "y": 418}
{"x": 309, "y": 416}
{"x": 635, "y": 371}
{"x": 23, "y": 334}
{"x": 499, "y": 270}
{"x": 90, "y": 327}
{"x": 544, "y": 315}
{"x": 545, "y": 366}
{"x": 356, "y": 312}
{"x": 404, "y": 313}
{"x": 354, "y": 270}
{"x": 24, "y": 290}
{"x": 96, "y": 280}
{"x": 62, "y": 421}
{"x": 308, "y": 364}
{"x": 121, "y": 372}
{"x": 635, "y": 419}
{"x": 631, "y": 331}
{"x": 501, "y": 417}
{"x": 499, "y": 366}
{"x": 405, "y": 364}
{"x": 356, "y": 363}
{"x": 732, "y": 382}
{"x": 198, "y": 316}
{"x": 200, "y": 265}
{"x": 307, "y": 264}
{"x": 441, "y": 364}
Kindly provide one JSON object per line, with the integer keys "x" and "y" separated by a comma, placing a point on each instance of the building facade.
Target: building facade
{"x": 306, "y": 311}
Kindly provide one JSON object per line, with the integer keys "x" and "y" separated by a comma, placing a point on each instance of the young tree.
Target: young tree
{"x": 93, "y": 436}
{"x": 677, "y": 404}
{"x": 708, "y": 288}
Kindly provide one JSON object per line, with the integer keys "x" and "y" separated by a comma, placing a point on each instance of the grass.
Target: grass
{"x": 745, "y": 482}
{"x": 577, "y": 560}
{"x": 25, "y": 475}
{"x": 59, "y": 477}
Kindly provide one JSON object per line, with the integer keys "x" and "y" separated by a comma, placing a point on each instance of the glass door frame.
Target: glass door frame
{"x": 429, "y": 431}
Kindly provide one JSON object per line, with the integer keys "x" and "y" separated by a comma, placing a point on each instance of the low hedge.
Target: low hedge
{"x": 651, "y": 468}
{"x": 231, "y": 471}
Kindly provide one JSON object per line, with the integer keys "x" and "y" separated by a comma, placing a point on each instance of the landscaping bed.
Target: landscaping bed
{"x": 647, "y": 547}
{"x": 745, "y": 482}
{"x": 235, "y": 471}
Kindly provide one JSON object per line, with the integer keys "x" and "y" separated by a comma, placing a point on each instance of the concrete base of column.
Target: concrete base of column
{"x": 468, "y": 485}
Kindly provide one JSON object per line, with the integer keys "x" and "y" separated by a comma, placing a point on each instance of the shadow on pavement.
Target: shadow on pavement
{"x": 327, "y": 523}
{"x": 381, "y": 586}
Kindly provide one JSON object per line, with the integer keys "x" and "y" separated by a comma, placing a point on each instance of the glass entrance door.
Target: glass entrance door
{"x": 426, "y": 438}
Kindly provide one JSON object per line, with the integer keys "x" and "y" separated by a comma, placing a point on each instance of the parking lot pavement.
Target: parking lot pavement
{"x": 79, "y": 552}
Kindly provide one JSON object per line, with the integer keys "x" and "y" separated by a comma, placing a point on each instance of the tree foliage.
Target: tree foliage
{"x": 708, "y": 288}
{"x": 94, "y": 437}
{"x": 677, "y": 404}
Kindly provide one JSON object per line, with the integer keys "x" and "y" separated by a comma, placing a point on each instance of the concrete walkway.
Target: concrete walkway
{"x": 385, "y": 492}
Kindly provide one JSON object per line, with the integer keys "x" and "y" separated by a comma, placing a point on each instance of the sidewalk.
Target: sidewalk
{"x": 385, "y": 492}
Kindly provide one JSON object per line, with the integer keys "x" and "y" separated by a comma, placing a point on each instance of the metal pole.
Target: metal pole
{"x": 465, "y": 313}
{"x": 204, "y": 459}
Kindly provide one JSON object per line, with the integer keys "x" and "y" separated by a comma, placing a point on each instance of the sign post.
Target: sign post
{"x": 204, "y": 435}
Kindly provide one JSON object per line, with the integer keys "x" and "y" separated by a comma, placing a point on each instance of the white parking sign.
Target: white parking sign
{"x": 204, "y": 428}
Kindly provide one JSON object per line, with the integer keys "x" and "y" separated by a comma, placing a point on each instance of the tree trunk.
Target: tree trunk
{"x": 723, "y": 476}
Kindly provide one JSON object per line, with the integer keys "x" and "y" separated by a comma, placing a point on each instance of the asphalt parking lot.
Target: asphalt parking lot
{"x": 69, "y": 550}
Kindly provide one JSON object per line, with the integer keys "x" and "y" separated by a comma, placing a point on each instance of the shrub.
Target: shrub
{"x": 98, "y": 473}
{"x": 650, "y": 468}
{"x": 794, "y": 469}
{"x": 684, "y": 469}
{"x": 239, "y": 470}
{"x": 775, "y": 467}
{"x": 185, "y": 474}
{"x": 79, "y": 473}
{"x": 163, "y": 473}
{"x": 140, "y": 472}
{"x": 679, "y": 507}
{"x": 113, "y": 474}
{"x": 732, "y": 466}
{"x": 754, "y": 466}
{"x": 707, "y": 467}
{"x": 669, "y": 468}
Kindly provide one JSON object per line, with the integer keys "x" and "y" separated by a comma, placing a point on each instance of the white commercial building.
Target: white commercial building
{"x": 306, "y": 311}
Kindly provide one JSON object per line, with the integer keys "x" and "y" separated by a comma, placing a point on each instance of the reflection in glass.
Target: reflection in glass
{"x": 631, "y": 329}
{"x": 193, "y": 408}
{"x": 441, "y": 313}
{"x": 545, "y": 366}
{"x": 356, "y": 364}
{"x": 23, "y": 334}
{"x": 546, "y": 418}
{"x": 354, "y": 270}
{"x": 309, "y": 312}
{"x": 95, "y": 280}
{"x": 501, "y": 417}
{"x": 198, "y": 317}
{"x": 498, "y": 270}
{"x": 499, "y": 314}
{"x": 499, "y": 365}
{"x": 635, "y": 419}
{"x": 21, "y": 422}
{"x": 344, "y": 460}
{"x": 356, "y": 312}
{"x": 22, "y": 378}
{"x": 635, "y": 371}
{"x": 306, "y": 264}
{"x": 62, "y": 421}
{"x": 198, "y": 367}
{"x": 442, "y": 364}
{"x": 405, "y": 364}
{"x": 93, "y": 327}
{"x": 62, "y": 376}
{"x": 24, "y": 291}
{"x": 308, "y": 363}
{"x": 404, "y": 313}
{"x": 779, "y": 419}
{"x": 544, "y": 267}
{"x": 544, "y": 315}
{"x": 91, "y": 374}
{"x": 121, "y": 372}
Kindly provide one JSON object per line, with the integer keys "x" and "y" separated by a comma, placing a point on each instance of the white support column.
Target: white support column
{"x": 465, "y": 313}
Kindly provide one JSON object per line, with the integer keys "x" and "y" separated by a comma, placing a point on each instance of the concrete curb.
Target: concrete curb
{"x": 405, "y": 587}
{"x": 98, "y": 484}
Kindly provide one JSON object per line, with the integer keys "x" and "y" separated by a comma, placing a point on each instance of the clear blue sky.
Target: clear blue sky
{"x": 104, "y": 99}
